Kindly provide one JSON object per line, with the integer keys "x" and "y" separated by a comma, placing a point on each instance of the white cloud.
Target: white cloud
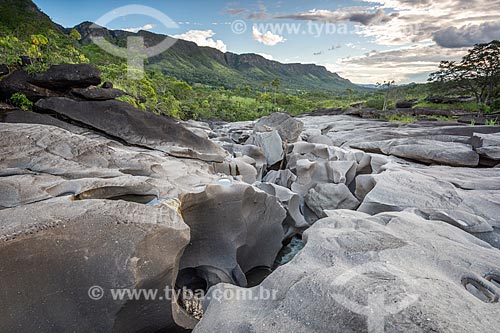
{"x": 267, "y": 56}
{"x": 144, "y": 27}
{"x": 399, "y": 64}
{"x": 421, "y": 20}
{"x": 358, "y": 17}
{"x": 203, "y": 38}
{"x": 267, "y": 38}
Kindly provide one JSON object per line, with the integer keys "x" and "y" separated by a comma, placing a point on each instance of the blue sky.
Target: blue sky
{"x": 363, "y": 40}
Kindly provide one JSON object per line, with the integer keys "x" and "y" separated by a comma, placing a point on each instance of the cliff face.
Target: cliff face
{"x": 194, "y": 64}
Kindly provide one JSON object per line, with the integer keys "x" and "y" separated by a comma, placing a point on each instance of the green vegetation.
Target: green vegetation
{"x": 380, "y": 102}
{"x": 42, "y": 51}
{"x": 478, "y": 73}
{"x": 491, "y": 122}
{"x": 465, "y": 106}
{"x": 21, "y": 101}
{"x": 191, "y": 82}
{"x": 399, "y": 118}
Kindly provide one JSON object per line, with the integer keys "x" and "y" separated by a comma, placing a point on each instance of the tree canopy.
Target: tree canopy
{"x": 478, "y": 73}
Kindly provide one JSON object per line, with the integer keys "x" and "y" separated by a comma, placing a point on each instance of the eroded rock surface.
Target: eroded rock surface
{"x": 362, "y": 273}
{"x": 234, "y": 228}
{"x": 53, "y": 252}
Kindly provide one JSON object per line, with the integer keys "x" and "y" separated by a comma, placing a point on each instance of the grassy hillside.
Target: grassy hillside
{"x": 188, "y": 62}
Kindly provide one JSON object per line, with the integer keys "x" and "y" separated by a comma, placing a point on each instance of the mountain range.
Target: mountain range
{"x": 185, "y": 60}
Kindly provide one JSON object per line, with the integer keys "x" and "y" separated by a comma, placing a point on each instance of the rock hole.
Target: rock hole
{"x": 478, "y": 289}
{"x": 290, "y": 249}
{"x": 191, "y": 288}
{"x": 256, "y": 275}
{"x": 494, "y": 278}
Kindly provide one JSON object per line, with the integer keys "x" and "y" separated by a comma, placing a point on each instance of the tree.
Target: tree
{"x": 478, "y": 73}
{"x": 387, "y": 86}
{"x": 349, "y": 92}
{"x": 75, "y": 35}
{"x": 276, "y": 84}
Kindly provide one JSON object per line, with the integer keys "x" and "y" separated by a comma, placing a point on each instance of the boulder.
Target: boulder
{"x": 271, "y": 144}
{"x": 97, "y": 94}
{"x": 283, "y": 178}
{"x": 234, "y": 229}
{"x": 238, "y": 167}
{"x": 330, "y": 197}
{"x": 17, "y": 82}
{"x": 487, "y": 145}
{"x": 288, "y": 128}
{"x": 121, "y": 120}
{"x": 79, "y": 163}
{"x": 361, "y": 273}
{"x": 68, "y": 256}
{"x": 310, "y": 174}
{"x": 107, "y": 85}
{"x": 426, "y": 151}
{"x": 4, "y": 70}
{"x": 67, "y": 76}
{"x": 469, "y": 205}
{"x": 295, "y": 222}
{"x": 406, "y": 104}
{"x": 16, "y": 116}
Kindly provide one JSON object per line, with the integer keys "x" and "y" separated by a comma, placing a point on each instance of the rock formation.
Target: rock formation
{"x": 400, "y": 223}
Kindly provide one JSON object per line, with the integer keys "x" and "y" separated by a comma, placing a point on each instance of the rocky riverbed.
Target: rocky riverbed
{"x": 352, "y": 224}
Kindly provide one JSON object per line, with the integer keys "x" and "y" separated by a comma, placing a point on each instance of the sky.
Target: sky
{"x": 365, "y": 41}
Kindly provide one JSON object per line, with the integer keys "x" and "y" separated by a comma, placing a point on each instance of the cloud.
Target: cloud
{"x": 267, "y": 38}
{"x": 398, "y": 64}
{"x": 203, "y": 38}
{"x": 144, "y": 27}
{"x": 467, "y": 36}
{"x": 423, "y": 20}
{"x": 267, "y": 56}
{"x": 359, "y": 17}
{"x": 236, "y": 11}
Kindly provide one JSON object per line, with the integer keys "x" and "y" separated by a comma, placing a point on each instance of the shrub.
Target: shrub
{"x": 495, "y": 105}
{"x": 21, "y": 101}
{"x": 399, "y": 118}
{"x": 378, "y": 103}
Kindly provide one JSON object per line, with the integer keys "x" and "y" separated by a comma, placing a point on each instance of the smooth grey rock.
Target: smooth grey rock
{"x": 295, "y": 222}
{"x": 53, "y": 252}
{"x": 329, "y": 197}
{"x": 473, "y": 209}
{"x": 309, "y": 174}
{"x": 238, "y": 167}
{"x": 426, "y": 151}
{"x": 288, "y": 128}
{"x": 361, "y": 273}
{"x": 283, "y": 178}
{"x": 234, "y": 228}
{"x": 487, "y": 145}
{"x": 271, "y": 144}
{"x": 62, "y": 163}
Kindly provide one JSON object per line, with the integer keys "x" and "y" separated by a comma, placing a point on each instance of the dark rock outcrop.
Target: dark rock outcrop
{"x": 123, "y": 121}
{"x": 17, "y": 82}
{"x": 97, "y": 94}
{"x": 67, "y": 76}
{"x": 4, "y": 70}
